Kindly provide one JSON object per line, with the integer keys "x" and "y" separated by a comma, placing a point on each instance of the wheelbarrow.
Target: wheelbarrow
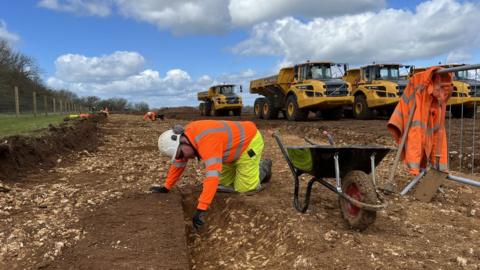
{"x": 350, "y": 166}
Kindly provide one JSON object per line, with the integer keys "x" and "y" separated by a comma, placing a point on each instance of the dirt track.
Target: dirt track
{"x": 87, "y": 213}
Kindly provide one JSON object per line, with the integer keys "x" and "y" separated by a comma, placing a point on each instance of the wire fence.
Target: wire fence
{"x": 463, "y": 122}
{"x": 18, "y": 102}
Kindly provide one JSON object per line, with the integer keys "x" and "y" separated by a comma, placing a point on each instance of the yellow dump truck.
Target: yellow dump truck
{"x": 220, "y": 100}
{"x": 376, "y": 87}
{"x": 466, "y": 91}
{"x": 303, "y": 88}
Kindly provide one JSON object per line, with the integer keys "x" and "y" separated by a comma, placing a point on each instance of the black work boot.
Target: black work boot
{"x": 265, "y": 170}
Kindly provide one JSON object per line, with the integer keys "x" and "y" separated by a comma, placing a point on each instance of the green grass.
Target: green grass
{"x": 10, "y": 125}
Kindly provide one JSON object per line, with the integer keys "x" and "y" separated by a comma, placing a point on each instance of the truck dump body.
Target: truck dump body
{"x": 272, "y": 84}
{"x": 299, "y": 89}
{"x": 203, "y": 96}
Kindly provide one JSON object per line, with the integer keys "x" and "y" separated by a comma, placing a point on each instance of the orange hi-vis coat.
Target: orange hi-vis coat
{"x": 426, "y": 141}
{"x": 150, "y": 115}
{"x": 216, "y": 142}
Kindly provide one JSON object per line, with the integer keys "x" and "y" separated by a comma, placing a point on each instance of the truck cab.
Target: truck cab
{"x": 316, "y": 88}
{"x": 219, "y": 100}
{"x": 318, "y": 77}
{"x": 376, "y": 87}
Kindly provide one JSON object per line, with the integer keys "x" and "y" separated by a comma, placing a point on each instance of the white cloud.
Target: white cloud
{"x": 458, "y": 56}
{"x": 114, "y": 75}
{"x": 210, "y": 16}
{"x": 6, "y": 35}
{"x": 436, "y": 27}
{"x": 123, "y": 74}
{"x": 247, "y": 12}
{"x": 180, "y": 16}
{"x": 80, "y": 68}
{"x": 86, "y": 7}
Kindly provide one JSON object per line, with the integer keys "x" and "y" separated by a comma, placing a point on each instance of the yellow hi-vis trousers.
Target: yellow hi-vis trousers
{"x": 244, "y": 173}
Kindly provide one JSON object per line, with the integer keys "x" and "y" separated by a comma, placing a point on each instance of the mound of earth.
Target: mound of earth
{"x": 19, "y": 154}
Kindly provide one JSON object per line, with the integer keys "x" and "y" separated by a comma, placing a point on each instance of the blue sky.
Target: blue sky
{"x": 162, "y": 52}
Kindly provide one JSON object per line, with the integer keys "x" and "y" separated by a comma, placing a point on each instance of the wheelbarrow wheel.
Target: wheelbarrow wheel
{"x": 357, "y": 185}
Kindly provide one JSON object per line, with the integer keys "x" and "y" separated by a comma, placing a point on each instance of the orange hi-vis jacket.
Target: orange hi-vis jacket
{"x": 150, "y": 115}
{"x": 215, "y": 142}
{"x": 426, "y": 141}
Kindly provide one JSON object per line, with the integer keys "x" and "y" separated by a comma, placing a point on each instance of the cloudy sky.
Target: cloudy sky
{"x": 163, "y": 51}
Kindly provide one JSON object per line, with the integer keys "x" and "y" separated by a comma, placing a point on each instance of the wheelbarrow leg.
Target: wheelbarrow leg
{"x": 296, "y": 202}
{"x": 337, "y": 174}
{"x": 372, "y": 164}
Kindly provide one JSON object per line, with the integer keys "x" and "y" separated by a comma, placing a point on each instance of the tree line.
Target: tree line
{"x": 18, "y": 69}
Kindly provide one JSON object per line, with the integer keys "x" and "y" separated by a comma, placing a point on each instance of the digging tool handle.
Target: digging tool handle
{"x": 329, "y": 137}
{"x": 390, "y": 185}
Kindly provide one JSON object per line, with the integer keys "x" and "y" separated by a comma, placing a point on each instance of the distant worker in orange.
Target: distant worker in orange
{"x": 151, "y": 116}
{"x": 104, "y": 111}
{"x": 231, "y": 152}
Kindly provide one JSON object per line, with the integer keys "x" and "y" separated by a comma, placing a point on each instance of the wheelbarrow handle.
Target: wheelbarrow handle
{"x": 284, "y": 152}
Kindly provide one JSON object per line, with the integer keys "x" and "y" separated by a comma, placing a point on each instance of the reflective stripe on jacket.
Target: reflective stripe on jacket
{"x": 426, "y": 141}
{"x": 216, "y": 142}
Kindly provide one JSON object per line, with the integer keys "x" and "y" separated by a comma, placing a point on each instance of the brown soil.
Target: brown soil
{"x": 119, "y": 233}
{"x": 52, "y": 217}
{"x": 20, "y": 154}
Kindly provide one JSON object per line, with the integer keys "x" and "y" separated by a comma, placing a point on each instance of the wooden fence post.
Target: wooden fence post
{"x": 34, "y": 103}
{"x": 45, "y": 105}
{"x": 17, "y": 103}
{"x": 61, "y": 106}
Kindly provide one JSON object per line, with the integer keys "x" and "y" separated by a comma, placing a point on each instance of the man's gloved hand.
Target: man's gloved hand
{"x": 197, "y": 219}
{"x": 159, "y": 189}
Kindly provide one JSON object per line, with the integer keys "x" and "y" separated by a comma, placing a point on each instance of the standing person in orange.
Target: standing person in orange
{"x": 104, "y": 111}
{"x": 230, "y": 150}
{"x": 150, "y": 115}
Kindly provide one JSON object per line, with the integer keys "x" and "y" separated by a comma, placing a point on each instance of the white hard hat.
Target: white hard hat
{"x": 168, "y": 143}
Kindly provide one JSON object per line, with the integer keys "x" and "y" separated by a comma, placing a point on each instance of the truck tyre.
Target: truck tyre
{"x": 358, "y": 185}
{"x": 237, "y": 112}
{"x": 468, "y": 112}
{"x": 294, "y": 113}
{"x": 202, "y": 109}
{"x": 208, "y": 108}
{"x": 257, "y": 107}
{"x": 360, "y": 108}
{"x": 268, "y": 110}
{"x": 333, "y": 114}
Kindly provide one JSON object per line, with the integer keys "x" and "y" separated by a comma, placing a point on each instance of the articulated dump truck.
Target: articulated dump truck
{"x": 220, "y": 100}
{"x": 465, "y": 94}
{"x": 303, "y": 88}
{"x": 376, "y": 87}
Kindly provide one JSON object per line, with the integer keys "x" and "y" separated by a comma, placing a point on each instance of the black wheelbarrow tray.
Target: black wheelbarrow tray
{"x": 353, "y": 168}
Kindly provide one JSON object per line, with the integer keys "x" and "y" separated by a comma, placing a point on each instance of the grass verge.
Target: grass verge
{"x": 11, "y": 125}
